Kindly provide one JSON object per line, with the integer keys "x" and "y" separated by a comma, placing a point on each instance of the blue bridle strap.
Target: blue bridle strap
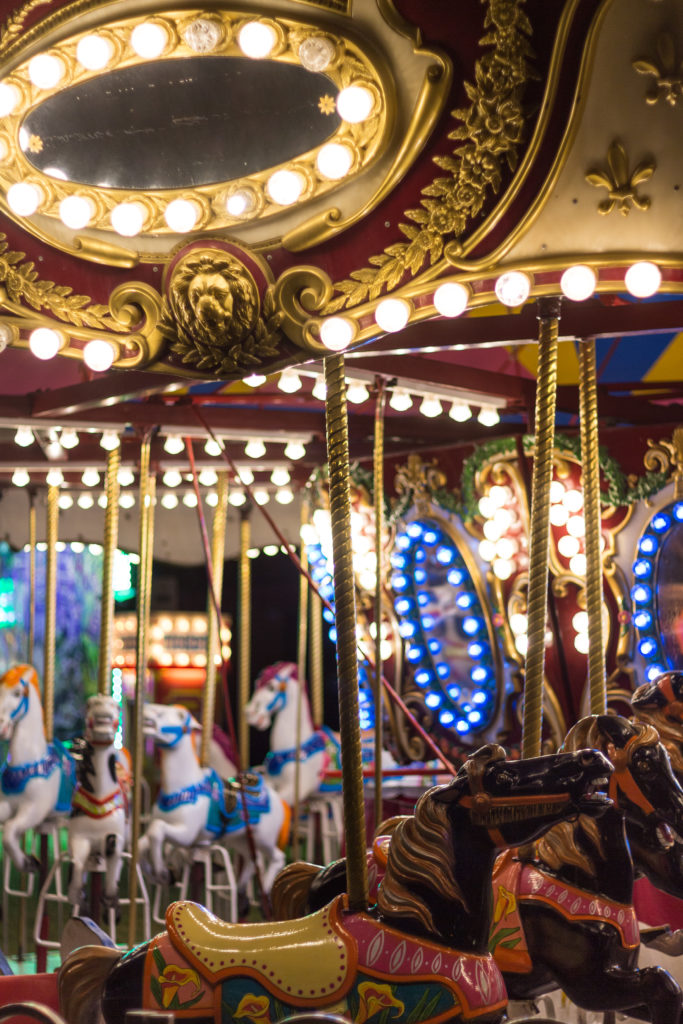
{"x": 176, "y": 733}
{"x": 277, "y": 759}
{"x": 22, "y": 707}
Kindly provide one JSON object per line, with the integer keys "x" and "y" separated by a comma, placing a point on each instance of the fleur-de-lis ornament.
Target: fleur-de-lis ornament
{"x": 666, "y": 70}
{"x": 622, "y": 186}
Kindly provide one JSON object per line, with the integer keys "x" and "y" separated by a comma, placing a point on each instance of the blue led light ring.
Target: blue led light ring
{"x": 644, "y": 590}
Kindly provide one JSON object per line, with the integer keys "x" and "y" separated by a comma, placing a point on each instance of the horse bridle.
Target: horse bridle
{"x": 622, "y": 779}
{"x": 176, "y": 731}
{"x": 22, "y": 707}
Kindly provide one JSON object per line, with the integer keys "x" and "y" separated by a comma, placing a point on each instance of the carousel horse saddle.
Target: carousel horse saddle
{"x": 270, "y": 952}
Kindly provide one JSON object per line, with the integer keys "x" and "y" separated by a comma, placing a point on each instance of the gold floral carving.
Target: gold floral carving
{"x": 666, "y": 69}
{"x": 621, "y": 184}
{"x": 490, "y": 132}
{"x": 20, "y": 283}
{"x": 418, "y": 480}
{"x": 212, "y": 314}
{"x": 667, "y": 457}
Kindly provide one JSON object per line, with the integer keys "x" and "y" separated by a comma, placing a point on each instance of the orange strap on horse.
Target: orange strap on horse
{"x": 622, "y": 779}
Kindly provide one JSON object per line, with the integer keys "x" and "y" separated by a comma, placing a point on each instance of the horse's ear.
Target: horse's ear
{"x": 618, "y": 729}
{"x": 195, "y": 725}
{"x": 648, "y": 697}
{"x": 475, "y": 765}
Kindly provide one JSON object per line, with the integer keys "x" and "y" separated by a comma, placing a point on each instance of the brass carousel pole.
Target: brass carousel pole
{"x": 31, "y": 578}
{"x": 378, "y": 486}
{"x": 302, "y": 642}
{"x": 213, "y": 629}
{"x": 347, "y": 657}
{"x": 111, "y": 536}
{"x": 244, "y": 635}
{"x": 50, "y": 611}
{"x": 147, "y": 491}
{"x": 590, "y": 470}
{"x": 315, "y": 657}
{"x": 537, "y": 599}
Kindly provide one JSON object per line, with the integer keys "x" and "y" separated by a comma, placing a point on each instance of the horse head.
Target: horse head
{"x": 102, "y": 720}
{"x": 167, "y": 724}
{"x": 270, "y": 693}
{"x": 643, "y": 785}
{"x": 664, "y": 693}
{"x": 15, "y": 696}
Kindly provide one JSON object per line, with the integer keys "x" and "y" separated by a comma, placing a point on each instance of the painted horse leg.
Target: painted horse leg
{"x": 79, "y": 851}
{"x": 13, "y": 833}
{"x": 113, "y": 845}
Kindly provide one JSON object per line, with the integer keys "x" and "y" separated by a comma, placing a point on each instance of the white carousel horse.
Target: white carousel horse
{"x": 99, "y": 805}
{"x": 195, "y": 807}
{"x": 277, "y": 694}
{"x": 37, "y": 779}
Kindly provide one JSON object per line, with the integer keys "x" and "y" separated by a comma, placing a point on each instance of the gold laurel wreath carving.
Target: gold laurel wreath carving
{"x": 23, "y": 285}
{"x": 14, "y": 25}
{"x": 490, "y": 133}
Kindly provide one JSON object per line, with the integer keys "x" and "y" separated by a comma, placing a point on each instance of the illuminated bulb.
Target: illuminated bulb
{"x": 241, "y": 202}
{"x": 181, "y": 215}
{"x": 190, "y": 499}
{"x": 76, "y": 212}
{"x": 357, "y": 392}
{"x": 149, "y": 40}
{"x": 572, "y": 500}
{"x": 255, "y": 449}
{"x": 237, "y": 498}
{"x": 23, "y": 198}
{"x": 109, "y": 440}
{"x": 55, "y": 478}
{"x": 280, "y": 476}
{"x": 208, "y": 477}
{"x": 68, "y": 438}
{"x": 295, "y": 450}
{"x": 24, "y": 437}
{"x": 127, "y": 499}
{"x": 212, "y": 499}
{"x": 488, "y": 416}
{"x": 577, "y": 565}
{"x": 284, "y": 495}
{"x": 334, "y": 160}
{"x": 126, "y": 477}
{"x": 99, "y": 355}
{"x": 500, "y": 495}
{"x": 556, "y": 491}
{"x": 355, "y": 103}
{"x": 337, "y": 333}
{"x": 518, "y": 623}
{"x": 212, "y": 448}
{"x": 451, "y": 298}
{"x": 503, "y": 568}
{"x": 285, "y": 187}
{"x": 506, "y": 548}
{"x": 169, "y": 500}
{"x": 174, "y": 444}
{"x": 9, "y": 98}
{"x": 246, "y": 476}
{"x": 45, "y": 343}
{"x": 102, "y": 500}
{"x": 392, "y": 315}
{"x": 21, "y": 478}
{"x": 261, "y": 496}
{"x": 558, "y": 515}
{"x": 487, "y": 550}
{"x": 576, "y": 526}
{"x": 492, "y": 530}
{"x": 256, "y": 39}
{"x": 568, "y": 546}
{"x": 643, "y": 279}
{"x": 65, "y": 502}
{"x": 316, "y": 53}
{"x": 172, "y": 478}
{"x": 401, "y": 400}
{"x": 127, "y": 219}
{"x": 94, "y": 52}
{"x": 254, "y": 380}
{"x": 581, "y": 641}
{"x": 431, "y": 406}
{"x": 85, "y": 501}
{"x": 486, "y": 507}
{"x": 578, "y": 282}
{"x": 45, "y": 70}
{"x": 289, "y": 382}
{"x": 512, "y": 288}
{"x": 521, "y": 643}
{"x": 253, "y": 552}
{"x": 90, "y": 477}
{"x": 580, "y": 622}
{"x": 319, "y": 390}
{"x": 460, "y": 411}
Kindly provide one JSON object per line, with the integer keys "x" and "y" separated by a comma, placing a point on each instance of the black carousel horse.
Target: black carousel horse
{"x": 421, "y": 955}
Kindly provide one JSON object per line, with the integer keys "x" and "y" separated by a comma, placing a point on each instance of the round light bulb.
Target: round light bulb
{"x": 518, "y": 623}
{"x": 581, "y": 639}
{"x": 68, "y": 438}
{"x": 212, "y": 499}
{"x": 280, "y": 476}
{"x": 181, "y": 215}
{"x": 556, "y": 491}
{"x": 357, "y": 392}
{"x": 203, "y": 35}
{"x": 580, "y": 622}
{"x": 392, "y": 315}
{"x": 90, "y": 477}
{"x": 109, "y": 440}
{"x": 24, "y": 437}
{"x": 295, "y": 450}
{"x": 319, "y": 389}
{"x": 127, "y": 219}
{"x": 45, "y": 70}
{"x": 289, "y": 382}
{"x": 355, "y": 103}
{"x": 169, "y": 500}
{"x": 172, "y": 478}
{"x": 285, "y": 187}
{"x": 506, "y": 548}
{"x": 334, "y": 160}
{"x": 255, "y": 449}
{"x": 126, "y": 476}
{"x": 488, "y": 416}
{"x": 212, "y": 448}
{"x": 45, "y": 343}
{"x": 572, "y": 500}
{"x": 10, "y": 97}
{"x": 94, "y": 52}
{"x": 21, "y": 478}
{"x": 460, "y": 411}
{"x": 237, "y": 498}
{"x": 431, "y": 406}
{"x": 451, "y": 298}
{"x": 65, "y": 502}
{"x": 174, "y": 444}
{"x": 240, "y": 203}
{"x": 149, "y": 40}
{"x": 85, "y": 501}
{"x": 337, "y": 333}
{"x": 102, "y": 500}
{"x": 208, "y": 478}
{"x": 261, "y": 496}
{"x": 487, "y": 550}
{"x": 126, "y": 499}
{"x": 558, "y": 515}
{"x": 568, "y": 546}
{"x": 503, "y": 569}
{"x": 256, "y": 39}
{"x": 254, "y": 380}
{"x": 316, "y": 53}
{"x": 23, "y": 198}
{"x": 401, "y": 400}
{"x": 577, "y": 565}
{"x": 643, "y": 279}
{"x": 578, "y": 282}
{"x": 55, "y": 478}
{"x": 576, "y": 526}
{"x": 99, "y": 354}
{"x": 284, "y": 495}
{"x": 190, "y": 499}
{"x": 76, "y": 212}
{"x": 512, "y": 288}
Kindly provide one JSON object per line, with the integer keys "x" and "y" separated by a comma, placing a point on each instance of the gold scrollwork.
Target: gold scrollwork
{"x": 667, "y": 457}
{"x": 666, "y": 69}
{"x": 621, "y": 184}
{"x": 417, "y": 481}
{"x": 300, "y": 292}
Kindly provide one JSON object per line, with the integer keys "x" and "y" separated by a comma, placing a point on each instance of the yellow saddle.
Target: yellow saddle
{"x": 311, "y": 960}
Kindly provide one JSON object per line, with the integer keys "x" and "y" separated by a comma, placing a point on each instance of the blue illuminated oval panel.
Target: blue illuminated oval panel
{"x": 656, "y": 592}
{"x": 450, "y": 644}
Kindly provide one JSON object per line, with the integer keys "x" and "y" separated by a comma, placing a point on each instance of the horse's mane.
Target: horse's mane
{"x": 670, "y": 733}
{"x": 268, "y": 673}
{"x": 17, "y": 672}
{"x": 421, "y": 861}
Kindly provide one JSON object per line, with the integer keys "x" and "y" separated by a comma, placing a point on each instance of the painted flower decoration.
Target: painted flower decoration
{"x": 173, "y": 978}
{"x": 256, "y": 1008}
{"x": 373, "y": 998}
{"x": 506, "y": 903}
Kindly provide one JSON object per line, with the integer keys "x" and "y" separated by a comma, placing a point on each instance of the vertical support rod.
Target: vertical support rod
{"x": 31, "y": 577}
{"x": 347, "y": 657}
{"x": 213, "y": 629}
{"x": 50, "y": 611}
{"x": 244, "y": 634}
{"x": 144, "y": 581}
{"x": 378, "y": 487}
{"x": 111, "y": 537}
{"x": 537, "y": 601}
{"x": 590, "y": 471}
{"x": 302, "y": 644}
{"x": 315, "y": 655}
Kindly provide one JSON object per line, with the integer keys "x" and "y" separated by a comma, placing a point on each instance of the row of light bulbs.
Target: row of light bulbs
{"x": 168, "y": 500}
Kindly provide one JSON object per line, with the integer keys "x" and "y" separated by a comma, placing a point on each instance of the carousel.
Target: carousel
{"x": 341, "y": 467}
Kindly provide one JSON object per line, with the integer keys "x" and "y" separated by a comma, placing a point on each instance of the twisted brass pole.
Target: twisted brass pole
{"x": 537, "y": 602}
{"x": 31, "y": 578}
{"x": 345, "y": 614}
{"x": 316, "y": 657}
{"x": 213, "y": 627}
{"x": 50, "y": 611}
{"x": 302, "y": 642}
{"x": 590, "y": 472}
{"x": 146, "y": 492}
{"x": 111, "y": 536}
{"x": 244, "y": 635}
{"x": 378, "y": 486}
